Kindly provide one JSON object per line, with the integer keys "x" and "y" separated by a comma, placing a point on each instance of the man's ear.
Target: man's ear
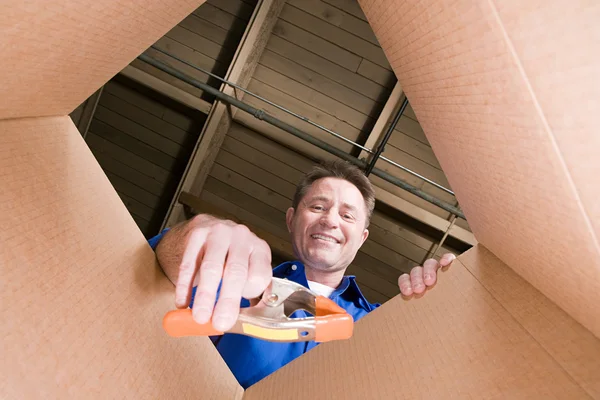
{"x": 289, "y": 216}
{"x": 365, "y": 235}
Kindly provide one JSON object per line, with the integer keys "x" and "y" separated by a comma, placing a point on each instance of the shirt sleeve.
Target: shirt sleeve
{"x": 153, "y": 242}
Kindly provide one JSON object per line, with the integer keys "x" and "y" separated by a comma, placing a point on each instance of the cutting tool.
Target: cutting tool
{"x": 270, "y": 318}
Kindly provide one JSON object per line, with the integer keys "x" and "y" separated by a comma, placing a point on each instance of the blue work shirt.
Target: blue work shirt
{"x": 251, "y": 359}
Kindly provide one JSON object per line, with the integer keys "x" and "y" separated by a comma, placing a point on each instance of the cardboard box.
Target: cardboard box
{"x": 508, "y": 97}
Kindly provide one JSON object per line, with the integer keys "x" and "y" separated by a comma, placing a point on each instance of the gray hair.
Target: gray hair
{"x": 343, "y": 170}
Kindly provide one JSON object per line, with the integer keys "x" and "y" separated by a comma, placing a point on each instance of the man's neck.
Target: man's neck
{"x": 331, "y": 279}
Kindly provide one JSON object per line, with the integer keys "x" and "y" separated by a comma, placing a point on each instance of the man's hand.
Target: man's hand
{"x": 206, "y": 250}
{"x": 422, "y": 277}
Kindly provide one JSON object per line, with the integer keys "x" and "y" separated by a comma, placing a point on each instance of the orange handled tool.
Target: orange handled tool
{"x": 270, "y": 318}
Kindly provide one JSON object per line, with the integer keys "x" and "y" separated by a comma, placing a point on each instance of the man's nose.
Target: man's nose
{"x": 330, "y": 219}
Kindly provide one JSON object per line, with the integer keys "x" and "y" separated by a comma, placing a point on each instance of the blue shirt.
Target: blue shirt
{"x": 251, "y": 359}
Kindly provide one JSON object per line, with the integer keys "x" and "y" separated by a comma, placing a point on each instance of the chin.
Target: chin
{"x": 322, "y": 263}
{"x": 315, "y": 259}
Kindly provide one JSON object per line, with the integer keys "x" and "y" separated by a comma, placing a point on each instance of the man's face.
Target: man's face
{"x": 328, "y": 227}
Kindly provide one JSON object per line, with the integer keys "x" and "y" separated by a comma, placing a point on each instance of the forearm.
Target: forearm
{"x": 169, "y": 250}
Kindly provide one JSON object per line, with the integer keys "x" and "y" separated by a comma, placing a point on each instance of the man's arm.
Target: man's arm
{"x": 171, "y": 247}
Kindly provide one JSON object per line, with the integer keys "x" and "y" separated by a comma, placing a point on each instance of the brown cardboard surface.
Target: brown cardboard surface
{"x": 565, "y": 82}
{"x": 575, "y": 348}
{"x": 56, "y": 53}
{"x": 486, "y": 80}
{"x": 81, "y": 295}
{"x": 457, "y": 341}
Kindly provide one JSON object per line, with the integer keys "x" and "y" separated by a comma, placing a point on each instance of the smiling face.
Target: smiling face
{"x": 329, "y": 225}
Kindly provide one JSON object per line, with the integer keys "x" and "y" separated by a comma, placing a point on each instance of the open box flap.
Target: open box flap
{"x": 459, "y": 340}
{"x": 488, "y": 81}
{"x": 81, "y": 294}
{"x": 56, "y": 53}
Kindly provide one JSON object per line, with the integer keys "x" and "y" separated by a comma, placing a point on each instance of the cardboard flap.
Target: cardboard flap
{"x": 81, "y": 295}
{"x": 569, "y": 343}
{"x": 508, "y": 96}
{"x": 56, "y": 53}
{"x": 457, "y": 341}
{"x": 560, "y": 59}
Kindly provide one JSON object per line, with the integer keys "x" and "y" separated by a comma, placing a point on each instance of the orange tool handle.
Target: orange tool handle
{"x": 178, "y": 323}
{"x": 332, "y": 321}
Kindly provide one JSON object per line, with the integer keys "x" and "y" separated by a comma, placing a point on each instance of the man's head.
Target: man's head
{"x": 330, "y": 214}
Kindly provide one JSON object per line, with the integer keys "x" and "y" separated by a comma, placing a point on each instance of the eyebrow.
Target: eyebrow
{"x": 327, "y": 199}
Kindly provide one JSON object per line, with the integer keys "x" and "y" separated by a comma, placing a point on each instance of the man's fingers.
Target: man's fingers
{"x": 211, "y": 270}
{"x": 422, "y": 277}
{"x": 405, "y": 286}
{"x": 416, "y": 280}
{"x": 430, "y": 268}
{"x": 234, "y": 280}
{"x": 260, "y": 271}
{"x": 447, "y": 259}
{"x": 188, "y": 268}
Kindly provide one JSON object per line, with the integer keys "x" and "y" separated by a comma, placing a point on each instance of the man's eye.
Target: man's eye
{"x": 318, "y": 208}
{"x": 349, "y": 216}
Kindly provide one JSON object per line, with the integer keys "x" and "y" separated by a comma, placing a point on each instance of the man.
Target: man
{"x": 212, "y": 260}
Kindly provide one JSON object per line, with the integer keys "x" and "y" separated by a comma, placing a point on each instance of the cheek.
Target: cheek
{"x": 301, "y": 227}
{"x": 353, "y": 237}
{"x": 305, "y": 223}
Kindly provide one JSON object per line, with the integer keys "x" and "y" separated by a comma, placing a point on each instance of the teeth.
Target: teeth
{"x": 324, "y": 238}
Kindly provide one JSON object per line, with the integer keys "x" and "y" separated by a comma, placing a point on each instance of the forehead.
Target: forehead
{"x": 336, "y": 189}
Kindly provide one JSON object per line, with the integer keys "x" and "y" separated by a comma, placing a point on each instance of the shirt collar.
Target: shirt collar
{"x": 294, "y": 271}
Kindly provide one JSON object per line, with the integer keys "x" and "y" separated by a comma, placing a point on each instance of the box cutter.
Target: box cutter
{"x": 270, "y": 318}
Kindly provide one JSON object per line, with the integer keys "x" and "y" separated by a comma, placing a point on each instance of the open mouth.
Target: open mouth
{"x": 325, "y": 238}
